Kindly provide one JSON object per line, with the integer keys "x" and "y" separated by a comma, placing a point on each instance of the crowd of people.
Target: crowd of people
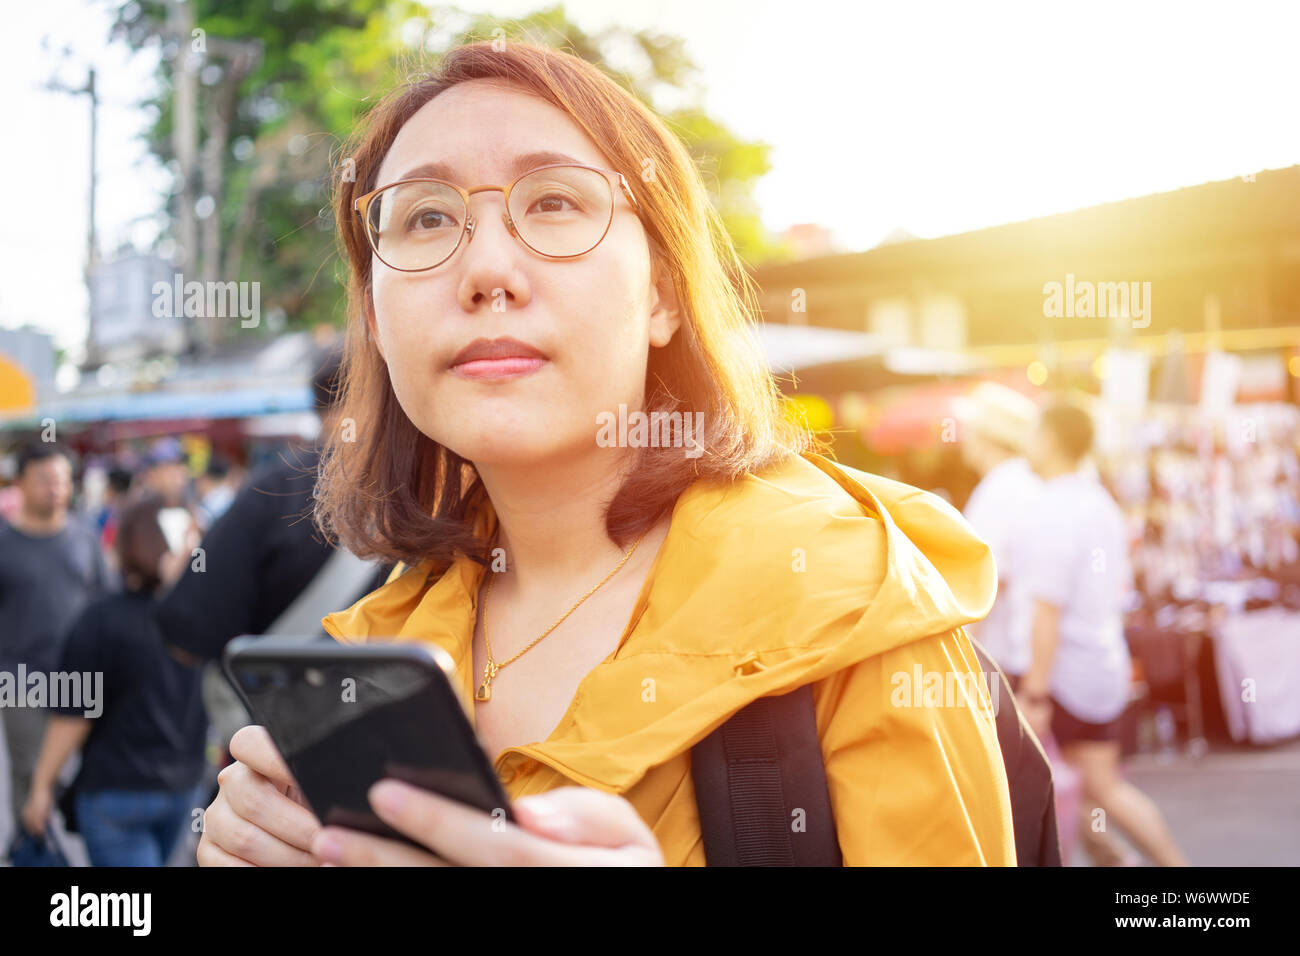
{"x": 71, "y": 607}
{"x": 141, "y": 595}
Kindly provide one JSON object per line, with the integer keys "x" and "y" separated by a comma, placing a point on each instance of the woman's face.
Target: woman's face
{"x": 593, "y": 318}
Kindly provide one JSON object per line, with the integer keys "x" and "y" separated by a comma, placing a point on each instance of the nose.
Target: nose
{"x": 490, "y": 272}
{"x": 472, "y": 221}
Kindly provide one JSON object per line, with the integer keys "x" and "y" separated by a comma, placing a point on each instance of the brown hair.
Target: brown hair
{"x": 391, "y": 492}
{"x": 1072, "y": 427}
{"x": 140, "y": 543}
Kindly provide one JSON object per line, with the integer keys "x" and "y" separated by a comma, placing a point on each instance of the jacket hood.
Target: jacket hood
{"x": 779, "y": 579}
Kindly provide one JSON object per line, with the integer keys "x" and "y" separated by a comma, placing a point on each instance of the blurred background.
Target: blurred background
{"x": 1094, "y": 200}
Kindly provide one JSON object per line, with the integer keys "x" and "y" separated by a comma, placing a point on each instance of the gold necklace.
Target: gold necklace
{"x": 490, "y": 669}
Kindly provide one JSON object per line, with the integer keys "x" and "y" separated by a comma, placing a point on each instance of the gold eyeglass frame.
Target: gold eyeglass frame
{"x": 361, "y": 205}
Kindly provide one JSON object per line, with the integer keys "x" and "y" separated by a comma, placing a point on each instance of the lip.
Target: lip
{"x": 502, "y": 348}
{"x": 484, "y": 369}
{"x": 497, "y": 359}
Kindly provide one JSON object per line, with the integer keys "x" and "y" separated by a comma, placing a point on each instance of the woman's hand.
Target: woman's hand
{"x": 569, "y": 826}
{"x": 36, "y": 811}
{"x": 259, "y": 817}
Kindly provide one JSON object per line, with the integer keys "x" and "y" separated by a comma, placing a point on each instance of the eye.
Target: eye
{"x": 427, "y": 219}
{"x": 553, "y": 203}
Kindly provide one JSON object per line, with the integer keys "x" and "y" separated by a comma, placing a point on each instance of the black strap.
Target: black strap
{"x": 765, "y": 762}
{"x": 760, "y": 785}
{"x": 1029, "y": 774}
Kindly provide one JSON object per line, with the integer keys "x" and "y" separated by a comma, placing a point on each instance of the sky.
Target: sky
{"x": 933, "y": 117}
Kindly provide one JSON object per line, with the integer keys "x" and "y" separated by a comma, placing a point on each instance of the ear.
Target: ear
{"x": 665, "y": 309}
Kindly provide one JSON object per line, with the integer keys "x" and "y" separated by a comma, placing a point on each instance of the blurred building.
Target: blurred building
{"x": 125, "y": 325}
{"x": 1219, "y": 264}
{"x": 243, "y": 402}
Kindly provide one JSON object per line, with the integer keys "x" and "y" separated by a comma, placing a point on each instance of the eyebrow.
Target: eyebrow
{"x": 518, "y": 166}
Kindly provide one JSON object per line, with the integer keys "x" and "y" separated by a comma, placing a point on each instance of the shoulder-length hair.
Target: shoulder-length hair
{"x": 140, "y": 543}
{"x": 388, "y": 491}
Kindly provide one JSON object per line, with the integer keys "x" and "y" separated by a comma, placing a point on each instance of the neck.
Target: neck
{"x": 996, "y": 458}
{"x": 552, "y": 520}
{"x": 1057, "y": 467}
{"x": 35, "y": 523}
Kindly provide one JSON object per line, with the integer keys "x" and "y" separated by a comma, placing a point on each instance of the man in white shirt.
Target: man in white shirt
{"x": 1078, "y": 577}
{"x": 996, "y": 423}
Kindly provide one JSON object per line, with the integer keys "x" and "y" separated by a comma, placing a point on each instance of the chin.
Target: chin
{"x": 508, "y": 448}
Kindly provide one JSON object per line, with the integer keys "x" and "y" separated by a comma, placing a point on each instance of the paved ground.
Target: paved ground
{"x": 1234, "y": 806}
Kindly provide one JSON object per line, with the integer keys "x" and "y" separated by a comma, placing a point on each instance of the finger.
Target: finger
{"x": 343, "y": 847}
{"x": 465, "y": 836}
{"x": 584, "y": 815}
{"x": 253, "y": 747}
{"x": 297, "y": 796}
{"x": 238, "y": 837}
{"x": 458, "y": 833}
{"x": 209, "y": 854}
{"x": 254, "y": 798}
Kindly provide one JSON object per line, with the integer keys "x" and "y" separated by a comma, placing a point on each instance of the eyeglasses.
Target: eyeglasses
{"x": 560, "y": 211}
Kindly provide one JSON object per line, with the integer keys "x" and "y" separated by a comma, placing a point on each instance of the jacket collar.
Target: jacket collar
{"x": 761, "y": 586}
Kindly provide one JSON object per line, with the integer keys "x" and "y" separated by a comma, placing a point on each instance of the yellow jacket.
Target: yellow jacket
{"x": 808, "y": 572}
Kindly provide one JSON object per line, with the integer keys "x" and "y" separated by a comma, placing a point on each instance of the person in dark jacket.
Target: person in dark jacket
{"x": 258, "y": 558}
{"x": 260, "y": 554}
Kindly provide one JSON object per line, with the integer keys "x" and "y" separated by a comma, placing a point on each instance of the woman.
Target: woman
{"x": 636, "y": 588}
{"x": 143, "y": 735}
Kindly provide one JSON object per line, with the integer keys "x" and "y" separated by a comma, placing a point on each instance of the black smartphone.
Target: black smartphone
{"x": 345, "y": 716}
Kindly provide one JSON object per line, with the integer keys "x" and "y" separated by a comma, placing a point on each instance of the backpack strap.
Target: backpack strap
{"x": 754, "y": 771}
{"x": 760, "y": 785}
{"x": 1029, "y": 773}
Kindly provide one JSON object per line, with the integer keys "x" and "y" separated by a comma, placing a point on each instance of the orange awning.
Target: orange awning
{"x": 17, "y": 393}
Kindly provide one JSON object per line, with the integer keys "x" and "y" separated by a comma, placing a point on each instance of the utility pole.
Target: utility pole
{"x": 235, "y": 59}
{"x": 92, "y": 258}
{"x": 185, "y": 144}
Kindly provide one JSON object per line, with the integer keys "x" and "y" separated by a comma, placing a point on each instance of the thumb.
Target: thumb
{"x": 582, "y": 815}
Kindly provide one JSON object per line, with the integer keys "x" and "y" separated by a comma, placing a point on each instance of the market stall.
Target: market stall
{"x": 1212, "y": 495}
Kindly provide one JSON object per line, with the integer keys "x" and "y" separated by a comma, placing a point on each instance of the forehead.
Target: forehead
{"x": 48, "y": 465}
{"x": 478, "y": 131}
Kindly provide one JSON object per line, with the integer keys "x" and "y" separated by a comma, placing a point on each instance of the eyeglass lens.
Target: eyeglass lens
{"x": 558, "y": 211}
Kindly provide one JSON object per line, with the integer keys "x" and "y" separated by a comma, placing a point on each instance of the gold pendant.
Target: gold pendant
{"x": 484, "y": 691}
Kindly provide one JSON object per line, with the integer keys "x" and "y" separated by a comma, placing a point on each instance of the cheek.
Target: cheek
{"x": 405, "y": 321}
{"x": 610, "y": 318}
{"x": 405, "y": 330}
